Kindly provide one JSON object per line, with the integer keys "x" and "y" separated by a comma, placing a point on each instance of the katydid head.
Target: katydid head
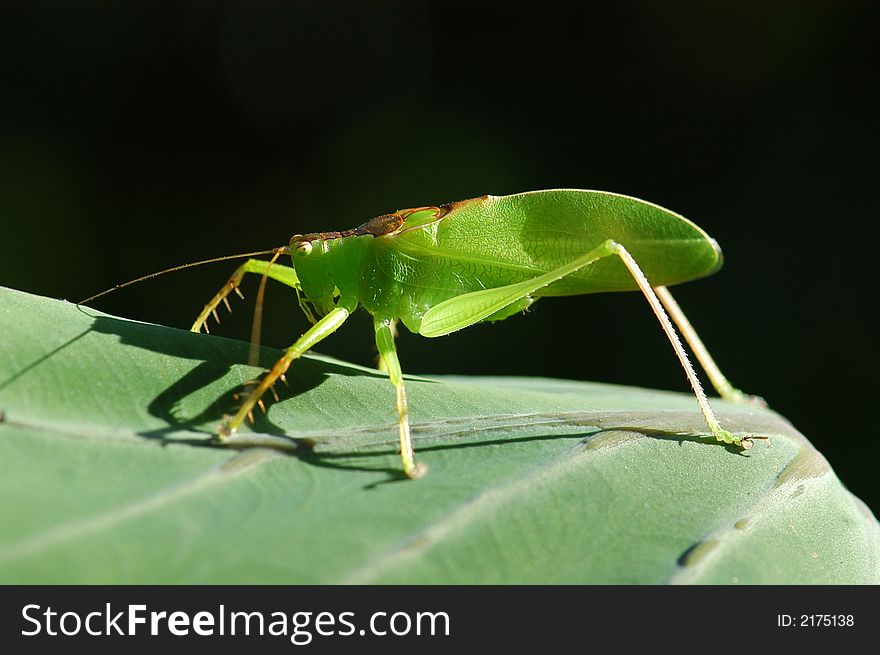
{"x": 329, "y": 266}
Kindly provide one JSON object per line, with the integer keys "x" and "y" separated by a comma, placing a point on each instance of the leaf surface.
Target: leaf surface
{"x": 109, "y": 474}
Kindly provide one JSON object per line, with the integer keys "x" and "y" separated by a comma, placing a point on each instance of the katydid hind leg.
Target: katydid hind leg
{"x": 719, "y": 381}
{"x": 388, "y": 355}
{"x": 493, "y": 304}
{"x": 647, "y": 290}
{"x": 469, "y": 308}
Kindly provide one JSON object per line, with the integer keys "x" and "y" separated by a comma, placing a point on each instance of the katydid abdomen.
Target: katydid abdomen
{"x": 492, "y": 242}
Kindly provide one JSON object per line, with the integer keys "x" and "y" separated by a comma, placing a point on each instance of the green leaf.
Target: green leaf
{"x": 108, "y": 474}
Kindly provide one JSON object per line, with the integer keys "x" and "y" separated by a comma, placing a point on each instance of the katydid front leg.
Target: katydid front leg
{"x": 284, "y": 274}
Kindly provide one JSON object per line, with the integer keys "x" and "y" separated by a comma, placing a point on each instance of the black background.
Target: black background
{"x": 139, "y": 135}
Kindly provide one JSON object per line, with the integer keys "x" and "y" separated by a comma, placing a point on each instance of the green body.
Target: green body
{"x": 441, "y": 269}
{"x": 493, "y": 242}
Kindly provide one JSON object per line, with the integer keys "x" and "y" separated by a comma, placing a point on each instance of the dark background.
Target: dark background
{"x": 139, "y": 135}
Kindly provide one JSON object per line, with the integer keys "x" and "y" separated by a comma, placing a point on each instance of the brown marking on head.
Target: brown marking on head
{"x": 378, "y": 226}
{"x": 321, "y": 236}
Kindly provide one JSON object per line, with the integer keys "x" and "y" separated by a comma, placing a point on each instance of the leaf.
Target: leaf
{"x": 108, "y": 474}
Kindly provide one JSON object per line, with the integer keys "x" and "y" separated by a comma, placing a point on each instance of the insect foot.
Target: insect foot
{"x": 225, "y": 430}
{"x": 748, "y": 441}
{"x": 745, "y": 442}
{"x": 417, "y": 471}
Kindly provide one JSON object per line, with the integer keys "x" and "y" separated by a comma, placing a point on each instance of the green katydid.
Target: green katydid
{"x": 442, "y": 269}
{"x": 439, "y": 269}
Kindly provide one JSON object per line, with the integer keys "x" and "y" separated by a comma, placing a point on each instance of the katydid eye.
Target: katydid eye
{"x": 304, "y": 248}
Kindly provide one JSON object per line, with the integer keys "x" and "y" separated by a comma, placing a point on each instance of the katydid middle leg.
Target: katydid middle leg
{"x": 388, "y": 355}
